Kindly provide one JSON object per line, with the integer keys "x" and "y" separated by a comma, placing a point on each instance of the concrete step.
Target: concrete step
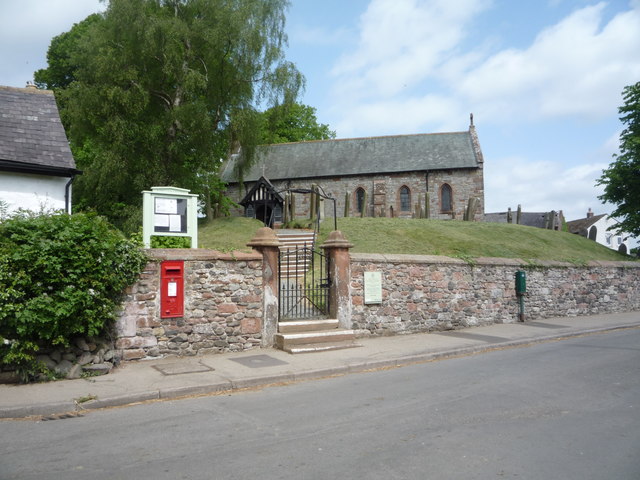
{"x": 300, "y": 326}
{"x": 320, "y": 347}
{"x": 286, "y": 341}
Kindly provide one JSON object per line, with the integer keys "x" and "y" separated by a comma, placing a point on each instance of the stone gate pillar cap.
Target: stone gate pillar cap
{"x": 336, "y": 239}
{"x": 264, "y": 237}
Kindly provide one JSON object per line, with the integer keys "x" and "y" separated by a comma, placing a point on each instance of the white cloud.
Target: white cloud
{"x": 541, "y": 186}
{"x": 26, "y": 30}
{"x": 401, "y": 44}
{"x": 411, "y": 51}
{"x": 400, "y": 115}
{"x": 576, "y": 67}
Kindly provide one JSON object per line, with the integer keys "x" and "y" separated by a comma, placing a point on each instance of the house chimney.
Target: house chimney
{"x": 31, "y": 85}
{"x": 589, "y": 213}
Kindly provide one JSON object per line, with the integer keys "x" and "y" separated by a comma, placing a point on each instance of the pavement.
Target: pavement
{"x": 177, "y": 377}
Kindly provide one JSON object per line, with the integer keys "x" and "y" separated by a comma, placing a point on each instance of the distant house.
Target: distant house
{"x": 552, "y": 220}
{"x": 388, "y": 176}
{"x": 36, "y": 165}
{"x": 596, "y": 227}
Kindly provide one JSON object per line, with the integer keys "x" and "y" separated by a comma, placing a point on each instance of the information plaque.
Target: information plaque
{"x": 372, "y": 287}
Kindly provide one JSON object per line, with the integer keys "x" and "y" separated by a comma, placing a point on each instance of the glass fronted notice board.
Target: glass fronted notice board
{"x": 169, "y": 211}
{"x": 170, "y": 215}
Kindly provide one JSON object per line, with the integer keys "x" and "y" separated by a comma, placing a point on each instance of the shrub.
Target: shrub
{"x": 61, "y": 277}
{"x": 158, "y": 241}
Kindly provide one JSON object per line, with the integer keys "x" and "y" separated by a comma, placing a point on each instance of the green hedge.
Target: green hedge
{"x": 61, "y": 277}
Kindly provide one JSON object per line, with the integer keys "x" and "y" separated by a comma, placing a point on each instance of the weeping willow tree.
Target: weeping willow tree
{"x": 160, "y": 90}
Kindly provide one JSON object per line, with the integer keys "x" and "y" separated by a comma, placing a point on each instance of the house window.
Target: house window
{"x": 360, "y": 199}
{"x": 405, "y": 199}
{"x": 446, "y": 198}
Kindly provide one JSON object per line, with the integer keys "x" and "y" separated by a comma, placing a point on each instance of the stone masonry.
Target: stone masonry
{"x": 225, "y": 308}
{"x": 222, "y": 307}
{"x": 428, "y": 293}
{"x": 383, "y": 193}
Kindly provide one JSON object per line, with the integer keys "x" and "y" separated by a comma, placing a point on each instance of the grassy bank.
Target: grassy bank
{"x": 459, "y": 239}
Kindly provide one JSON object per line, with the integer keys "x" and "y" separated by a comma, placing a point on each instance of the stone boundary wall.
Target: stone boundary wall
{"x": 222, "y": 306}
{"x": 225, "y": 298}
{"x": 431, "y": 293}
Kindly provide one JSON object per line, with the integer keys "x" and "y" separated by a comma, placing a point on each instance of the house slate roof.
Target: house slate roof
{"x": 32, "y": 138}
{"x": 361, "y": 156}
{"x": 581, "y": 225}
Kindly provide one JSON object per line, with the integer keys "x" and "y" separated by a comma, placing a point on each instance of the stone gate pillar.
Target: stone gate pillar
{"x": 266, "y": 242}
{"x": 337, "y": 248}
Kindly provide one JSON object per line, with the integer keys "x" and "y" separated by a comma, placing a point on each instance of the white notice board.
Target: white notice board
{"x": 372, "y": 287}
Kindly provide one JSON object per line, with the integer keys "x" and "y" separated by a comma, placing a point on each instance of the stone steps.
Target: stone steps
{"x": 304, "y": 336}
{"x": 291, "y": 239}
{"x": 295, "y": 263}
{"x": 301, "y": 326}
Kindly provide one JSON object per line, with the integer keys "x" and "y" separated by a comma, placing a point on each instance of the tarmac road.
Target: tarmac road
{"x": 565, "y": 409}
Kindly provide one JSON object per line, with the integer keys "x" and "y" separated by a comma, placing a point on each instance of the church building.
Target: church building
{"x": 423, "y": 175}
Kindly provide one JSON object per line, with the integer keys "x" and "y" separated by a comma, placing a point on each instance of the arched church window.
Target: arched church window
{"x": 405, "y": 199}
{"x": 360, "y": 199}
{"x": 446, "y": 198}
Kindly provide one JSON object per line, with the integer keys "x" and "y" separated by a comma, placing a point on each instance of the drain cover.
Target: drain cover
{"x": 259, "y": 361}
{"x": 182, "y": 368}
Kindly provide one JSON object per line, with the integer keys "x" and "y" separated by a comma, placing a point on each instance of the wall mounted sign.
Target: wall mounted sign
{"x": 372, "y": 287}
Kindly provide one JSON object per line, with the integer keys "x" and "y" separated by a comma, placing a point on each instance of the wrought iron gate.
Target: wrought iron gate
{"x": 304, "y": 282}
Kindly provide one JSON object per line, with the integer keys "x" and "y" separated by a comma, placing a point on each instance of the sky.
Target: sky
{"x": 543, "y": 79}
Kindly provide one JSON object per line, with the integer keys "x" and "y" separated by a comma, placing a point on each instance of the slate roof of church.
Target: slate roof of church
{"x": 361, "y": 156}
{"x": 32, "y": 138}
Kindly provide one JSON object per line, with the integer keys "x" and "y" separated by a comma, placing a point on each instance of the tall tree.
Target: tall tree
{"x": 622, "y": 179}
{"x": 293, "y": 123}
{"x": 61, "y": 69}
{"x": 163, "y": 87}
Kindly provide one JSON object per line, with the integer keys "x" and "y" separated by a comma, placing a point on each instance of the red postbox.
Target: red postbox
{"x": 172, "y": 289}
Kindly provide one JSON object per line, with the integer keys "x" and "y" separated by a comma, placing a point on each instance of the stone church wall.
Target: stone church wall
{"x": 383, "y": 193}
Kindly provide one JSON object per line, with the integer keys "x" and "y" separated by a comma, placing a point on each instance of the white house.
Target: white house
{"x": 596, "y": 227}
{"x": 36, "y": 165}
